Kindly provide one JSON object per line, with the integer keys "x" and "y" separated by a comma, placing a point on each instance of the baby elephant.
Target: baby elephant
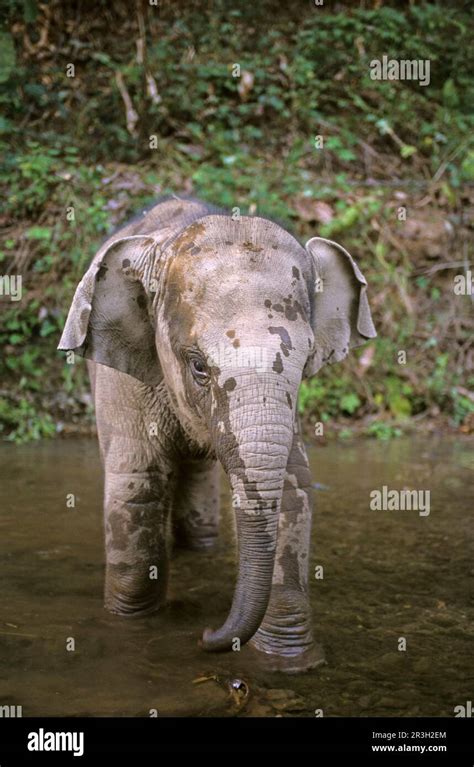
{"x": 203, "y": 327}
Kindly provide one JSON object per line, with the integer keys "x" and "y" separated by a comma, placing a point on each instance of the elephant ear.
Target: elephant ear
{"x": 110, "y": 320}
{"x": 341, "y": 317}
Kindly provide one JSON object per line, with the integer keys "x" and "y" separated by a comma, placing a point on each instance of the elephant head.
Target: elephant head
{"x": 231, "y": 314}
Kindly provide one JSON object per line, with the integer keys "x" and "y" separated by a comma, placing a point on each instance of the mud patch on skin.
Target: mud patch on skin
{"x": 188, "y": 236}
{"x": 278, "y": 364}
{"x": 288, "y": 399}
{"x": 268, "y": 305}
{"x": 231, "y": 446}
{"x": 118, "y": 531}
{"x": 190, "y": 246}
{"x": 253, "y": 248}
{"x": 101, "y": 272}
{"x": 182, "y": 312}
{"x": 294, "y": 527}
{"x": 293, "y": 309}
{"x": 286, "y": 346}
{"x": 283, "y": 333}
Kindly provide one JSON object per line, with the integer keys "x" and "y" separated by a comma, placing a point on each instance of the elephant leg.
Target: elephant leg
{"x": 196, "y": 505}
{"x": 136, "y": 521}
{"x": 139, "y": 486}
{"x": 285, "y": 640}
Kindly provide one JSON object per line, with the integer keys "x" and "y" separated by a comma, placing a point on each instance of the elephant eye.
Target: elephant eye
{"x": 199, "y": 370}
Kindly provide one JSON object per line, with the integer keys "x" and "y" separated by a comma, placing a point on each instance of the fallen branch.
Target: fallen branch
{"x": 130, "y": 113}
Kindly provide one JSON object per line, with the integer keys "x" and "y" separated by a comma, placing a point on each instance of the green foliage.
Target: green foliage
{"x": 294, "y": 86}
{"x": 64, "y": 145}
{"x": 328, "y": 397}
{"x": 383, "y": 430}
{"x": 23, "y": 422}
{"x": 462, "y": 407}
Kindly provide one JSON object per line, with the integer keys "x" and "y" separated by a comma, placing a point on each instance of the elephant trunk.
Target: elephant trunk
{"x": 255, "y": 458}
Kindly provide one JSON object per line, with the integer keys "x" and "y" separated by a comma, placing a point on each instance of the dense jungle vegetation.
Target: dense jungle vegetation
{"x": 266, "y": 106}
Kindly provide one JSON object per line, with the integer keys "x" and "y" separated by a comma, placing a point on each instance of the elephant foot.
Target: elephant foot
{"x": 284, "y": 641}
{"x": 130, "y": 611}
{"x": 131, "y": 596}
{"x": 295, "y": 663}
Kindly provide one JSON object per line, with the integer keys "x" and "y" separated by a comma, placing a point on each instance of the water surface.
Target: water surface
{"x": 387, "y": 575}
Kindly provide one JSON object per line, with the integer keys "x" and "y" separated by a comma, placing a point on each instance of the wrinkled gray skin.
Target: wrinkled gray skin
{"x": 169, "y": 308}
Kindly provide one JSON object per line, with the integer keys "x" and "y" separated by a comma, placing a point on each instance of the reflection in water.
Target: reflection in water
{"x": 387, "y": 575}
